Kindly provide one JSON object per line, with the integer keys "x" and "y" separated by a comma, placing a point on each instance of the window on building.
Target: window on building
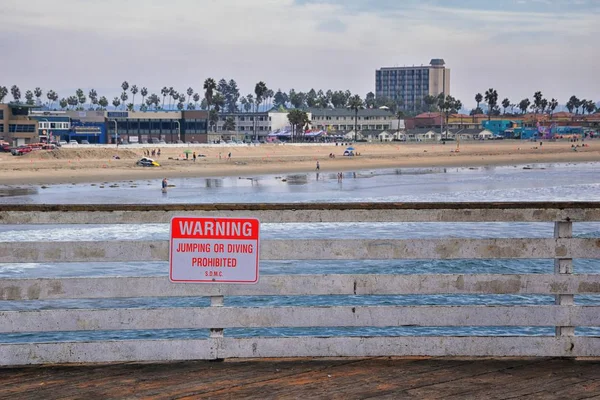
{"x": 1, "y": 114}
{"x": 242, "y": 118}
{"x": 52, "y": 125}
{"x": 17, "y": 128}
{"x": 386, "y": 127}
{"x": 378, "y": 127}
{"x": 241, "y": 128}
{"x": 1, "y": 127}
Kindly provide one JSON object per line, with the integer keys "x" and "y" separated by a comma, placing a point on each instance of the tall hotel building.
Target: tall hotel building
{"x": 409, "y": 85}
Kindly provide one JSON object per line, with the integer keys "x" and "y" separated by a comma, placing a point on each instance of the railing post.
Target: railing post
{"x": 216, "y": 334}
{"x": 564, "y": 230}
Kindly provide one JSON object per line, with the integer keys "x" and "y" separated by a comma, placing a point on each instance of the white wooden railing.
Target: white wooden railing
{"x": 563, "y": 284}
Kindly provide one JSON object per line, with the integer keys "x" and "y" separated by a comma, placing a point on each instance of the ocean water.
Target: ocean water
{"x": 548, "y": 182}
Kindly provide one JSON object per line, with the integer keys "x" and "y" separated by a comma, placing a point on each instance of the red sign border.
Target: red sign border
{"x": 212, "y": 280}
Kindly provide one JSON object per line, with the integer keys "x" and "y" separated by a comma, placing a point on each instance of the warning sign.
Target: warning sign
{"x": 214, "y": 250}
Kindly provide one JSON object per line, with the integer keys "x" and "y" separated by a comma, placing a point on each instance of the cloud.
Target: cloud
{"x": 516, "y": 46}
{"x": 332, "y": 25}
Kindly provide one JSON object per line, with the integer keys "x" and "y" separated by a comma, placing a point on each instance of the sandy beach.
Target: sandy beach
{"x": 75, "y": 165}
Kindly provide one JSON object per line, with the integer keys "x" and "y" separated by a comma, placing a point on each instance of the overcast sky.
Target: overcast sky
{"x": 515, "y": 46}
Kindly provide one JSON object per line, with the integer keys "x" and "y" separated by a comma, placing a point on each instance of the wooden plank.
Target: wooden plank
{"x": 307, "y": 212}
{"x": 297, "y": 285}
{"x": 108, "y": 351}
{"x": 449, "y": 346}
{"x": 310, "y": 249}
{"x": 305, "y": 379}
{"x": 190, "y": 349}
{"x": 295, "y": 316}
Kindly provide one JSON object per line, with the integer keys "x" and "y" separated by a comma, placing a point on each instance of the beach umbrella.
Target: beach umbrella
{"x": 188, "y": 151}
{"x": 350, "y": 148}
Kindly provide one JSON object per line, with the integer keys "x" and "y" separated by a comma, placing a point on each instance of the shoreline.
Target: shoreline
{"x": 269, "y": 160}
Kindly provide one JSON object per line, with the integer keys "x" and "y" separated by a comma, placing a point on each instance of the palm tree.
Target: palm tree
{"x": 298, "y": 119}
{"x": 38, "y": 93}
{"x": 543, "y": 105}
{"x": 491, "y": 97}
{"x": 250, "y": 101}
{"x": 552, "y": 106}
{"x": 573, "y": 103}
{"x": 124, "y": 98}
{"x": 505, "y": 104}
{"x": 130, "y": 107}
{"x": 524, "y": 105}
{"x": 582, "y": 104}
{"x": 190, "y": 92}
{"x": 144, "y": 93}
{"x": 81, "y": 99}
{"x": 3, "y": 93}
{"x": 448, "y": 106}
{"x": 164, "y": 91}
{"x": 63, "y": 103}
{"x": 93, "y": 95}
{"x": 172, "y": 93}
{"x": 196, "y": 99}
{"x": 537, "y": 101}
{"x": 16, "y": 93}
{"x": 209, "y": 88}
{"x": 29, "y": 98}
{"x": 72, "y": 101}
{"x": 260, "y": 91}
{"x": 52, "y": 96}
{"x": 134, "y": 91}
{"x": 590, "y": 106}
{"x": 244, "y": 103}
{"x": 269, "y": 95}
{"x": 125, "y": 86}
{"x": 116, "y": 102}
{"x": 103, "y": 102}
{"x": 355, "y": 103}
{"x": 478, "y": 99}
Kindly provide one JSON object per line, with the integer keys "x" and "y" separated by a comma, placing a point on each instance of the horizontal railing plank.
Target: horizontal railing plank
{"x": 311, "y": 249}
{"x": 295, "y": 317}
{"x": 299, "y": 285}
{"x": 304, "y": 212}
{"x": 202, "y": 349}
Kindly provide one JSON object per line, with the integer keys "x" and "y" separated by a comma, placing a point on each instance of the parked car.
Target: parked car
{"x": 147, "y": 162}
{"x": 85, "y": 142}
{"x": 73, "y": 142}
{"x": 62, "y": 143}
{"x": 19, "y": 151}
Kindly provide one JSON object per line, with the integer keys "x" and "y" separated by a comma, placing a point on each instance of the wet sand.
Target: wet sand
{"x": 97, "y": 165}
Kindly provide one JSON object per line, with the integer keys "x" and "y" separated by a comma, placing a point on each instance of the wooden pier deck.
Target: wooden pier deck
{"x": 364, "y": 378}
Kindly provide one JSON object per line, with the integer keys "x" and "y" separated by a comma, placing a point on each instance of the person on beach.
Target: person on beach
{"x": 229, "y": 156}
{"x": 318, "y": 166}
{"x": 165, "y": 183}
{"x": 158, "y": 152}
{"x": 194, "y": 156}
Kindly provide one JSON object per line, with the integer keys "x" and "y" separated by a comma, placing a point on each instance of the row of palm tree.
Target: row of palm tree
{"x": 539, "y": 105}
{"x": 225, "y": 96}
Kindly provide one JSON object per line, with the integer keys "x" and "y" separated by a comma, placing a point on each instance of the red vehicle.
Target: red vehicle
{"x": 19, "y": 151}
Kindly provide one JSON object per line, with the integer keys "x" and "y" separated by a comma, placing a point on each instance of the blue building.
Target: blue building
{"x": 52, "y": 126}
{"x": 93, "y": 132}
{"x": 499, "y": 126}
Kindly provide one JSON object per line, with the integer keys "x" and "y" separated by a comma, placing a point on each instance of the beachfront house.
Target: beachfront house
{"x": 485, "y": 135}
{"x": 385, "y": 136}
